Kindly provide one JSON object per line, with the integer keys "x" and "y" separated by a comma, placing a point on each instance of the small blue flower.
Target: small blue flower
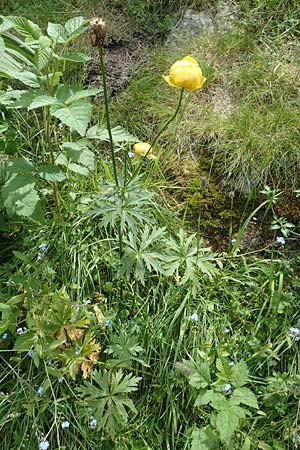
{"x": 228, "y": 389}
{"x": 295, "y": 332}
{"x": 131, "y": 155}
{"x": 280, "y": 240}
{"x": 65, "y": 424}
{"x": 106, "y": 323}
{"x": 93, "y": 422}
{"x": 40, "y": 390}
{"x": 195, "y": 317}
{"x": 4, "y": 336}
{"x": 61, "y": 379}
{"x": 30, "y": 353}
{"x": 43, "y": 247}
{"x": 44, "y": 445}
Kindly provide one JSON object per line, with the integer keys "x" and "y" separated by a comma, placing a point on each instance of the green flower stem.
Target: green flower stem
{"x": 161, "y": 130}
{"x": 165, "y": 126}
{"x": 111, "y": 142}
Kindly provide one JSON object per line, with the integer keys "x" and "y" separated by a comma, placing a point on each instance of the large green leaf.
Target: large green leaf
{"x": 24, "y": 26}
{"x": 81, "y": 95}
{"x": 76, "y": 116}
{"x": 27, "y": 77}
{"x": 79, "y": 152}
{"x": 57, "y": 32}
{"x": 21, "y": 166}
{"x": 245, "y": 396}
{"x": 119, "y": 134}
{"x": 204, "y": 439}
{"x": 42, "y": 100}
{"x": 77, "y": 57}
{"x": 51, "y": 173}
{"x": 20, "y": 198}
{"x": 75, "y": 26}
{"x": 227, "y": 422}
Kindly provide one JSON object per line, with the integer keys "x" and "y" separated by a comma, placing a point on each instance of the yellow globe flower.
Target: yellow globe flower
{"x": 186, "y": 73}
{"x": 143, "y": 149}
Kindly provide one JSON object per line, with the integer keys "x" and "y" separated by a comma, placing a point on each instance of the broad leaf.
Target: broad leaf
{"x": 245, "y": 396}
{"x": 81, "y": 95}
{"x": 118, "y": 134}
{"x": 20, "y": 165}
{"x": 20, "y": 198}
{"x": 204, "y": 439}
{"x": 75, "y": 27}
{"x": 42, "y": 100}
{"x": 78, "y": 169}
{"x": 201, "y": 378}
{"x": 28, "y": 78}
{"x": 76, "y": 116}
{"x": 239, "y": 374}
{"x": 77, "y": 57}
{"x": 24, "y": 26}
{"x": 51, "y": 173}
{"x": 57, "y": 32}
{"x": 227, "y": 422}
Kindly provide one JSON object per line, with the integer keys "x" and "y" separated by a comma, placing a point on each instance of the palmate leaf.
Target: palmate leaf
{"x": 107, "y": 399}
{"x": 130, "y": 211}
{"x": 141, "y": 255}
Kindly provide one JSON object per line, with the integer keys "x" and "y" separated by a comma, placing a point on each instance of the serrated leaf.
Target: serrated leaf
{"x": 201, "y": 378}
{"x": 42, "y": 57}
{"x": 21, "y": 199}
{"x": 204, "y": 439}
{"x": 79, "y": 95}
{"x": 42, "y": 100}
{"x": 24, "y": 26}
{"x": 245, "y": 396}
{"x": 239, "y": 374}
{"x": 28, "y": 78}
{"x": 119, "y": 134}
{"x": 75, "y": 25}
{"x": 76, "y": 168}
{"x": 77, "y": 57}
{"x": 76, "y": 116}
{"x": 227, "y": 422}
{"x": 50, "y": 172}
{"x": 20, "y": 165}
{"x": 205, "y": 397}
{"x": 57, "y": 32}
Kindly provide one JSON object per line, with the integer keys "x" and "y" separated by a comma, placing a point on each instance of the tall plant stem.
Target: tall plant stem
{"x": 111, "y": 142}
{"x": 160, "y": 131}
{"x": 165, "y": 125}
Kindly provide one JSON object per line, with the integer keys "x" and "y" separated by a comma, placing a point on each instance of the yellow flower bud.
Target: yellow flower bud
{"x": 97, "y": 32}
{"x": 185, "y": 73}
{"x": 143, "y": 149}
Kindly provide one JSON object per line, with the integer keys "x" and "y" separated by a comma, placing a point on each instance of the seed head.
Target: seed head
{"x": 97, "y": 32}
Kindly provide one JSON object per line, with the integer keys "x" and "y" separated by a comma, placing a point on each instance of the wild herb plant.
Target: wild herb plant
{"x": 102, "y": 302}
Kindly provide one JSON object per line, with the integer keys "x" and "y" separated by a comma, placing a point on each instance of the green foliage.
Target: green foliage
{"x": 107, "y": 400}
{"x": 227, "y": 402}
